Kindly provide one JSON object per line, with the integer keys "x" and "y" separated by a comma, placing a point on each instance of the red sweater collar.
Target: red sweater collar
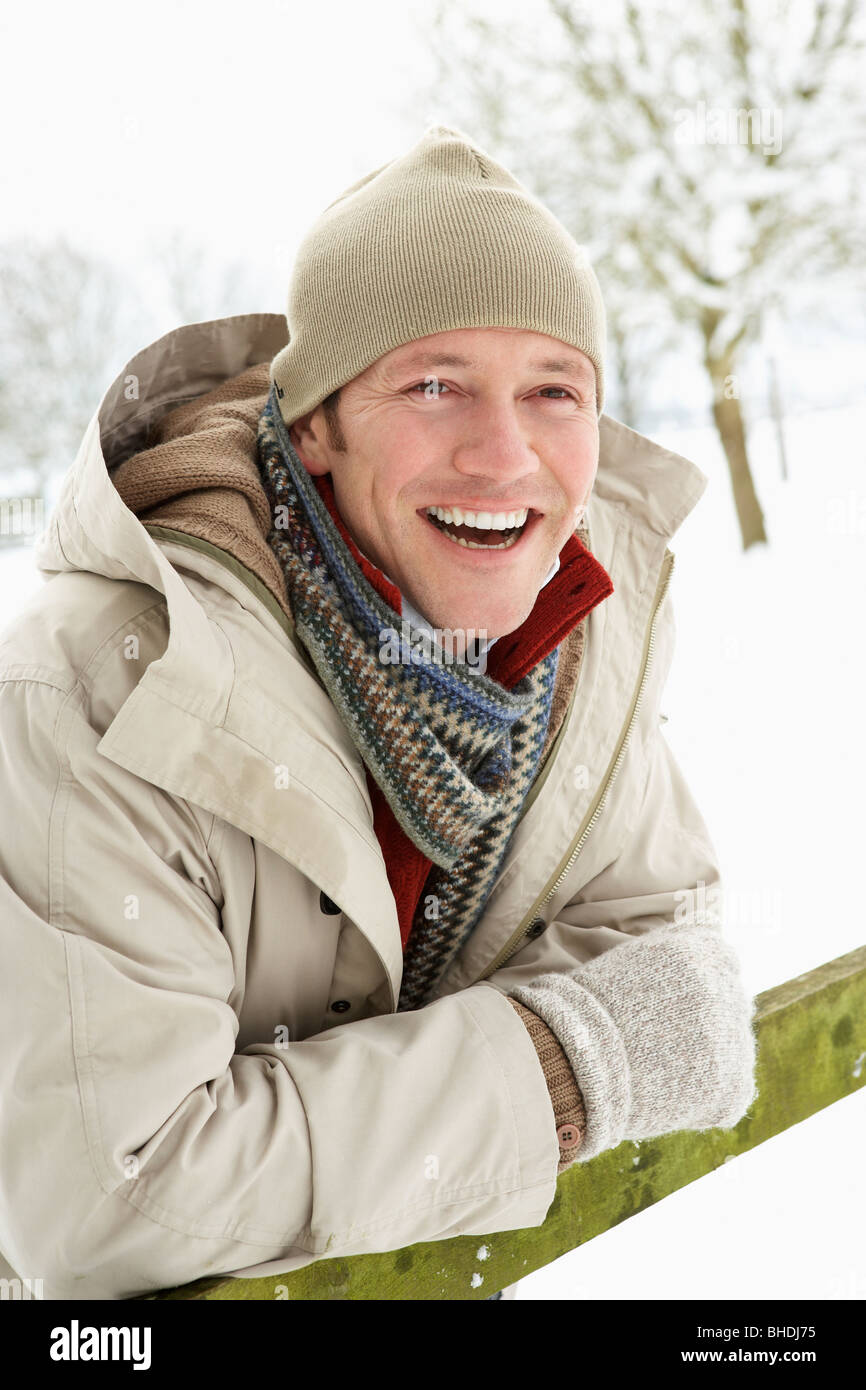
{"x": 579, "y": 584}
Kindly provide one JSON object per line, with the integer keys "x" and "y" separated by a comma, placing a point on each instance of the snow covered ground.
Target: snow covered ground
{"x": 764, "y": 703}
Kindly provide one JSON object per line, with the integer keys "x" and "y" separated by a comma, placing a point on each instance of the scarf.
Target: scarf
{"x": 453, "y": 752}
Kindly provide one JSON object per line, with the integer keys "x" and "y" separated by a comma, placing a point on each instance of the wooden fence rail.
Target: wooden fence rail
{"x": 811, "y": 1052}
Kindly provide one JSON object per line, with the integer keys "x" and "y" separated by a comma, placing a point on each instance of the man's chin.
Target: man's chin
{"x": 486, "y": 623}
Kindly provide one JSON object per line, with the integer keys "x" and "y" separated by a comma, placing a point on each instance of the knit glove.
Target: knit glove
{"x": 658, "y": 1031}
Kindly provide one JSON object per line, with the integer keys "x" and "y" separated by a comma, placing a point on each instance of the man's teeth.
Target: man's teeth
{"x": 484, "y": 521}
{"x": 510, "y": 522}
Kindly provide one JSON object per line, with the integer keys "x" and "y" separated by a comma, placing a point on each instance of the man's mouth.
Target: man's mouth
{"x": 481, "y": 530}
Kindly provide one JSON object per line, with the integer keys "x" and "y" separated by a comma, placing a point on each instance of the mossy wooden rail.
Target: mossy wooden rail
{"x": 811, "y": 1052}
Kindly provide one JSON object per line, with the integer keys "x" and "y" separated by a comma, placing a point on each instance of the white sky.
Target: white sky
{"x": 237, "y": 123}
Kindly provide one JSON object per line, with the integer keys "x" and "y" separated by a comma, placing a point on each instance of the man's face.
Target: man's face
{"x": 488, "y": 420}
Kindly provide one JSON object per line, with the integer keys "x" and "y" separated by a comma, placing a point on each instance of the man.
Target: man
{"x": 318, "y": 942}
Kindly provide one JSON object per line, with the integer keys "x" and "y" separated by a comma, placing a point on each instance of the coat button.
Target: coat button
{"x": 340, "y": 1006}
{"x": 568, "y": 1136}
{"x": 537, "y": 927}
{"x": 327, "y": 906}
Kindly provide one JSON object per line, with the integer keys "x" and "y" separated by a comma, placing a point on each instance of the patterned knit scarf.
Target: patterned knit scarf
{"x": 453, "y": 751}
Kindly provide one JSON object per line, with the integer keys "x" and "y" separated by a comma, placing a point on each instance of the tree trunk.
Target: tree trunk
{"x": 729, "y": 423}
{"x": 620, "y": 354}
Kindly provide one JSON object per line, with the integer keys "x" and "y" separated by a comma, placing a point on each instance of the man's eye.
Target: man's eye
{"x": 564, "y": 395}
{"x": 430, "y": 388}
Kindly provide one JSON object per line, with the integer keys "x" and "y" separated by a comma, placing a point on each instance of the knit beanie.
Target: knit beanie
{"x": 441, "y": 237}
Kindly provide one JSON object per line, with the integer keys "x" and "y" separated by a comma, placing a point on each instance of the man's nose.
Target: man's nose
{"x": 496, "y": 444}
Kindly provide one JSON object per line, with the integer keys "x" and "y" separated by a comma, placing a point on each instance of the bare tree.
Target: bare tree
{"x": 69, "y": 320}
{"x": 66, "y": 320}
{"x": 710, "y": 156}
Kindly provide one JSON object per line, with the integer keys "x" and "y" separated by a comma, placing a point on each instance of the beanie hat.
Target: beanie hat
{"x": 441, "y": 237}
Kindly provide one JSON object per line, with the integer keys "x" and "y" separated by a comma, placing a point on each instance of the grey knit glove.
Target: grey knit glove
{"x": 658, "y": 1032}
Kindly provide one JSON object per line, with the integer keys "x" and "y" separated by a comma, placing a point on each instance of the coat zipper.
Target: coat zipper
{"x": 517, "y": 939}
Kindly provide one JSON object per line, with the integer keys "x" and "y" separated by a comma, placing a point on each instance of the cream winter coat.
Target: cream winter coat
{"x": 179, "y": 1095}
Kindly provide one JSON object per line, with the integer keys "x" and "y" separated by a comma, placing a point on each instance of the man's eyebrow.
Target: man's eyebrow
{"x": 562, "y": 365}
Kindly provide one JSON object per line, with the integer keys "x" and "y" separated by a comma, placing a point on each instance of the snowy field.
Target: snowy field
{"x": 764, "y": 705}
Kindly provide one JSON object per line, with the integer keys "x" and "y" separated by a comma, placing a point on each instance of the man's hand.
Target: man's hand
{"x": 658, "y": 1033}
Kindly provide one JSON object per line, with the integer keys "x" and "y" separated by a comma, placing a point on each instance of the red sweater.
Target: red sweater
{"x": 578, "y": 585}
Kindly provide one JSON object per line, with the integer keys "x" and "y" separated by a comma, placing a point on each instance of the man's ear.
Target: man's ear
{"x": 309, "y": 440}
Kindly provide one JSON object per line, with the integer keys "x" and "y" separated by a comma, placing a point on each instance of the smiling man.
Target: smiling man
{"x": 311, "y": 950}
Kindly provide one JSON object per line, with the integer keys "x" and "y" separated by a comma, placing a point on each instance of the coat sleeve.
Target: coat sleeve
{"x": 639, "y": 984}
{"x": 138, "y": 1149}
